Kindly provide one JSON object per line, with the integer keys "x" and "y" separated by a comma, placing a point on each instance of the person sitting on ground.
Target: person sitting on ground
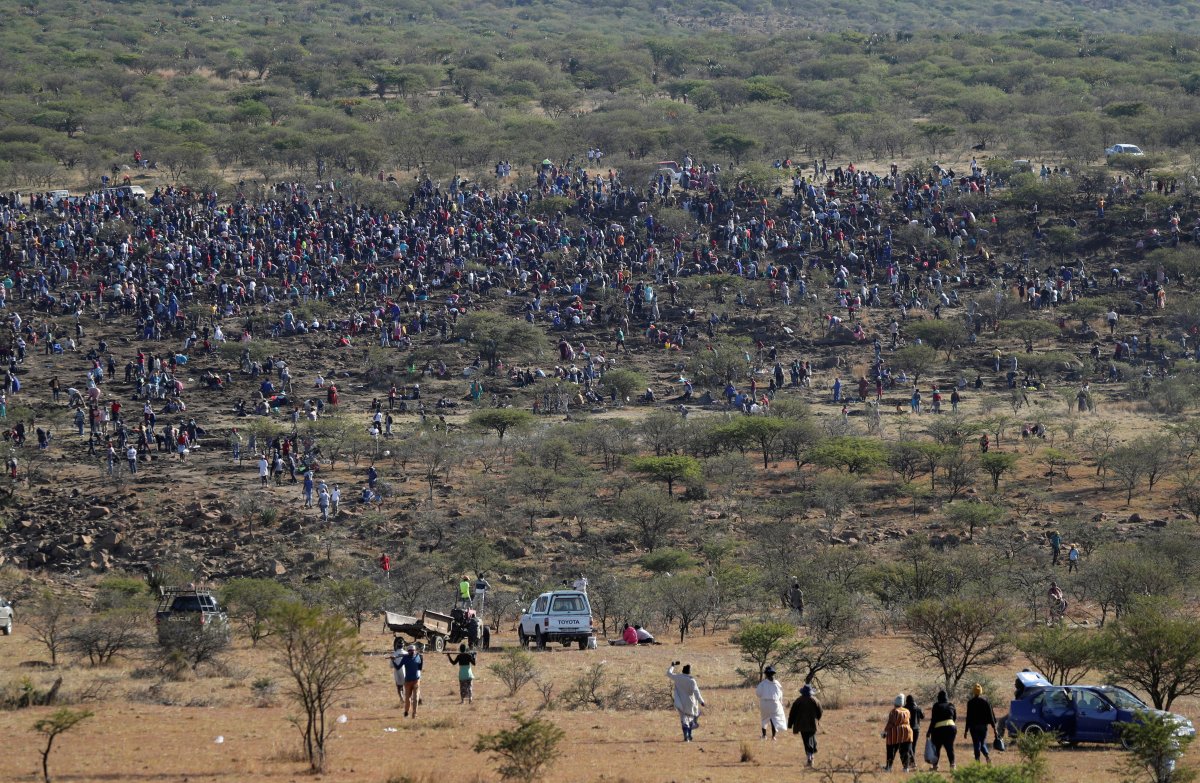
{"x": 628, "y": 637}
{"x": 643, "y": 636}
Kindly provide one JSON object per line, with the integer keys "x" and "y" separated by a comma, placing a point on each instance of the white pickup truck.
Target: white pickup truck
{"x": 6, "y": 617}
{"x": 563, "y": 616}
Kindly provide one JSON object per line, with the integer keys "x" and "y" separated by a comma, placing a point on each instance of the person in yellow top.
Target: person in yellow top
{"x": 464, "y": 591}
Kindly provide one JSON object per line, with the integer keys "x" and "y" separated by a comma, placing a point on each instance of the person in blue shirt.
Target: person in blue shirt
{"x": 406, "y": 668}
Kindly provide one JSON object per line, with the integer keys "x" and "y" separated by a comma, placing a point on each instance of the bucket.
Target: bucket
{"x": 591, "y": 644}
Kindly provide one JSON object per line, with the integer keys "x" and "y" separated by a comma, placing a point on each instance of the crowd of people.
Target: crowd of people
{"x": 181, "y": 274}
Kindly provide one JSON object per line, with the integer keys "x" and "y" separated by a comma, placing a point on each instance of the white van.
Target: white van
{"x": 1123, "y": 149}
{"x": 126, "y": 191}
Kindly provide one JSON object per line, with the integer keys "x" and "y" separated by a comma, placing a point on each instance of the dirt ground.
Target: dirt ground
{"x": 133, "y": 739}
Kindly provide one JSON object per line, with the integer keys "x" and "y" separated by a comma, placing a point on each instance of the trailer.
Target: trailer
{"x": 435, "y": 629}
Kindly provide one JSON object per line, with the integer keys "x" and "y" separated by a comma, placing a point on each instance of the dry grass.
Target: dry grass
{"x": 131, "y": 738}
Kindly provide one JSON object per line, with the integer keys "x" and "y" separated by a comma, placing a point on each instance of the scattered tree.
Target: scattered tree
{"x": 58, "y": 723}
{"x": 323, "y": 657}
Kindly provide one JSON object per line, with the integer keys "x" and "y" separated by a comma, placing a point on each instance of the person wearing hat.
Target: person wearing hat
{"x": 804, "y": 718}
{"x": 687, "y": 698}
{"x": 898, "y": 735}
{"x": 770, "y": 703}
{"x": 407, "y": 671}
{"x": 980, "y": 716}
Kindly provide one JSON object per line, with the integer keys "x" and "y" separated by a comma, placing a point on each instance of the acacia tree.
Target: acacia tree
{"x": 650, "y": 515}
{"x": 996, "y": 464}
{"x": 1063, "y": 655}
{"x": 770, "y": 643}
{"x": 1157, "y": 647}
{"x": 49, "y": 622}
{"x": 667, "y": 469}
{"x": 960, "y": 634}
{"x": 58, "y": 723}
{"x": 251, "y": 602}
{"x": 501, "y": 420}
{"x": 941, "y": 335}
{"x": 323, "y": 657}
{"x": 759, "y": 431}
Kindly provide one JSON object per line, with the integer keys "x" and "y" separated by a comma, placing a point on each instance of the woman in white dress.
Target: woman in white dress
{"x": 770, "y": 703}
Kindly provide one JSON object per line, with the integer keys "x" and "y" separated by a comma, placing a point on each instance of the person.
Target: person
{"x": 804, "y": 718}
{"x": 796, "y": 599}
{"x": 1058, "y": 604}
{"x": 481, "y": 588}
{"x": 1055, "y": 546}
{"x": 942, "y": 729}
{"x": 1072, "y": 559}
{"x": 980, "y": 716}
{"x": 464, "y": 590}
{"x": 385, "y": 563}
{"x": 643, "y": 636}
{"x": 580, "y": 584}
{"x": 915, "y": 716}
{"x": 628, "y": 637}
{"x": 770, "y": 703}
{"x": 687, "y": 698}
{"x": 898, "y": 735}
{"x": 408, "y": 677}
{"x": 264, "y": 469}
{"x": 465, "y": 661}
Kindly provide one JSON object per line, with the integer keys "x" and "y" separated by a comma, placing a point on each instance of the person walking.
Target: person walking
{"x": 770, "y": 703}
{"x": 687, "y": 698}
{"x": 942, "y": 729}
{"x": 1072, "y": 559}
{"x": 385, "y": 565}
{"x": 915, "y": 716}
{"x": 308, "y": 488}
{"x": 804, "y": 718}
{"x": 465, "y": 661}
{"x": 407, "y": 670}
{"x": 1055, "y": 546}
{"x": 980, "y": 716}
{"x": 898, "y": 735}
{"x": 264, "y": 469}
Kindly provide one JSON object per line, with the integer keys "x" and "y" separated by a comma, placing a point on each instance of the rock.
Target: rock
{"x": 1135, "y": 518}
{"x": 111, "y": 540}
{"x": 97, "y": 512}
{"x": 1159, "y": 522}
{"x": 84, "y": 541}
{"x": 59, "y": 553}
{"x": 278, "y": 568}
{"x": 1099, "y": 517}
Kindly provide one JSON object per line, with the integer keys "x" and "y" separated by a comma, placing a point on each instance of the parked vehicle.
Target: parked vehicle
{"x": 1080, "y": 713}
{"x": 563, "y": 616}
{"x": 6, "y": 617}
{"x": 1123, "y": 149}
{"x": 187, "y": 605}
{"x": 436, "y": 628}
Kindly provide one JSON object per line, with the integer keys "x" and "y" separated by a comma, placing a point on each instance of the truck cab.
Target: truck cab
{"x": 562, "y": 616}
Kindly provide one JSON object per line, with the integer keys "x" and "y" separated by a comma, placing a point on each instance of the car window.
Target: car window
{"x": 568, "y": 603}
{"x": 193, "y": 603}
{"x": 540, "y": 606}
{"x": 1123, "y": 699}
{"x": 1057, "y": 703}
{"x": 1089, "y": 701}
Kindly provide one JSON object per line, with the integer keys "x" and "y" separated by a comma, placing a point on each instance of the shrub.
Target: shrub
{"x": 515, "y": 669}
{"x": 523, "y": 752}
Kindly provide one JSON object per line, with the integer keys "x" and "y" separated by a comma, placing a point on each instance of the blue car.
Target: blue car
{"x": 1079, "y": 713}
